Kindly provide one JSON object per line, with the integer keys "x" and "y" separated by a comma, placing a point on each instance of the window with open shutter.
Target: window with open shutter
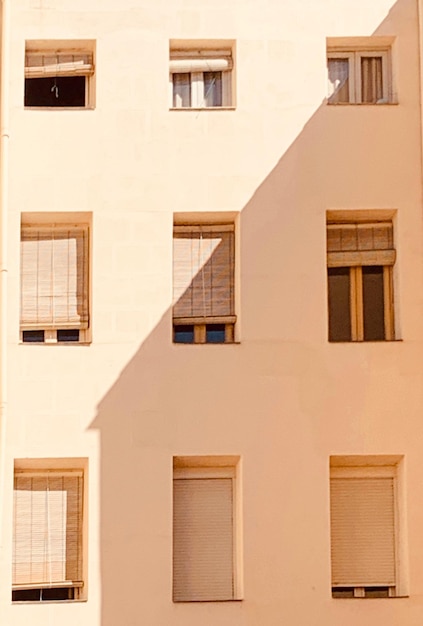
{"x": 363, "y": 531}
{"x": 203, "y": 282}
{"x": 360, "y": 257}
{"x": 47, "y": 535}
{"x": 58, "y": 77}
{"x": 54, "y": 278}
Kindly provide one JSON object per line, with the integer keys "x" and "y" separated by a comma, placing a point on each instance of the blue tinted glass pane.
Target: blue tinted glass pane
{"x": 215, "y": 333}
{"x": 183, "y": 334}
{"x": 33, "y": 336}
{"x": 68, "y": 335}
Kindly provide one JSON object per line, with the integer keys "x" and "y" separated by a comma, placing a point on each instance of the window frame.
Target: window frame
{"x": 68, "y": 467}
{"x": 59, "y": 222}
{"x": 189, "y": 468}
{"x": 354, "y": 57}
{"x": 200, "y": 56}
{"x": 382, "y": 258}
{"x": 58, "y": 48}
{"x": 200, "y": 323}
{"x": 370, "y": 468}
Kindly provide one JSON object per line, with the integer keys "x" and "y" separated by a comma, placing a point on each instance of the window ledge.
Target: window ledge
{"x": 89, "y": 108}
{"x": 379, "y": 341}
{"x": 231, "y": 600}
{"x": 207, "y": 343}
{"x": 370, "y": 599}
{"x": 25, "y": 602}
{"x": 225, "y": 108}
{"x": 362, "y": 104}
{"x": 54, "y": 343}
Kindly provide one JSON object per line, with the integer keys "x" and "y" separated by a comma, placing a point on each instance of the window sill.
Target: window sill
{"x": 362, "y": 104}
{"x": 370, "y": 599}
{"x": 54, "y": 343}
{"x": 196, "y": 109}
{"x": 379, "y": 341}
{"x": 87, "y": 108}
{"x": 231, "y": 600}
{"x": 21, "y": 602}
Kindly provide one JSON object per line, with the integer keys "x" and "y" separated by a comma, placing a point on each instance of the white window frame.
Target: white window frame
{"x": 231, "y": 471}
{"x": 369, "y": 470}
{"x": 197, "y": 77}
{"x": 354, "y": 72}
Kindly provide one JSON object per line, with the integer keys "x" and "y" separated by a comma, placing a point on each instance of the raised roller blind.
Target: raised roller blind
{"x": 44, "y": 64}
{"x": 360, "y": 244}
{"x": 47, "y": 529}
{"x": 362, "y": 531}
{"x": 203, "y": 539}
{"x": 186, "y": 61}
{"x": 54, "y": 277}
{"x": 203, "y": 271}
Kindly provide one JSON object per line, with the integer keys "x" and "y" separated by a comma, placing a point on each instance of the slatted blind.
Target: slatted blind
{"x": 185, "y": 61}
{"x": 360, "y": 244}
{"x": 54, "y": 277}
{"x": 363, "y": 531}
{"x": 203, "y": 271}
{"x": 47, "y": 529}
{"x": 203, "y": 539}
{"x": 44, "y": 64}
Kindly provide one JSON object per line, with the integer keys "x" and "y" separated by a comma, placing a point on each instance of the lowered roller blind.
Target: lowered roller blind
{"x": 54, "y": 277}
{"x": 360, "y": 244}
{"x": 362, "y": 531}
{"x": 39, "y": 65}
{"x": 202, "y": 539}
{"x": 200, "y": 61}
{"x": 47, "y": 529}
{"x": 203, "y": 271}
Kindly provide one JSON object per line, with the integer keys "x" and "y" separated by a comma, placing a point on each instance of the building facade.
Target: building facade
{"x": 212, "y": 318}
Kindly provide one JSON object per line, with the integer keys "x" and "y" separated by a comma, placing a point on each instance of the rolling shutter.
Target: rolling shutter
{"x": 351, "y": 245}
{"x": 44, "y": 64}
{"x": 186, "y": 61}
{"x": 54, "y": 277}
{"x": 203, "y": 271}
{"x": 363, "y": 531}
{"x": 47, "y": 529}
{"x": 203, "y": 539}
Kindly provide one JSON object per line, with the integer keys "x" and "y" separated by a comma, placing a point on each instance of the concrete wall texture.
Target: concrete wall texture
{"x": 282, "y": 397}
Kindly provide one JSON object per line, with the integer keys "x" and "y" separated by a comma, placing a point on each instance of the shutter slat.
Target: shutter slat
{"x": 362, "y": 531}
{"x": 203, "y": 539}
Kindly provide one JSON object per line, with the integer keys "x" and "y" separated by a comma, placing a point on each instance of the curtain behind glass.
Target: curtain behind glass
{"x": 371, "y": 80}
{"x": 338, "y": 75}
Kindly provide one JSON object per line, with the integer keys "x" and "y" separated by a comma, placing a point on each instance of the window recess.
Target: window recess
{"x": 58, "y": 78}
{"x": 200, "y": 78}
{"x": 47, "y": 535}
{"x": 360, "y": 258}
{"x": 203, "y": 283}
{"x": 54, "y": 283}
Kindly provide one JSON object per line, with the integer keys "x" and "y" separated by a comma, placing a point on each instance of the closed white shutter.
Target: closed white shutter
{"x": 356, "y": 244}
{"x": 203, "y": 271}
{"x": 54, "y": 277}
{"x": 203, "y": 539}
{"x": 44, "y": 64}
{"x": 47, "y": 529}
{"x": 363, "y": 531}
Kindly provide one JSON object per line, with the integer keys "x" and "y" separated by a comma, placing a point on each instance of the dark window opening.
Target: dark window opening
{"x": 342, "y": 592}
{"x": 40, "y": 595}
{"x": 215, "y": 333}
{"x": 55, "y": 91}
{"x": 33, "y": 336}
{"x": 373, "y": 303}
{"x": 68, "y": 335}
{"x": 183, "y": 334}
{"x": 339, "y": 304}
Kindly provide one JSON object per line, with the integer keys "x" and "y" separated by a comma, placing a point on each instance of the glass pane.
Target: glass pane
{"x": 377, "y": 592}
{"x": 371, "y": 80}
{"x": 338, "y": 76}
{"x": 212, "y": 89}
{"x": 68, "y": 335}
{"x": 342, "y": 592}
{"x": 181, "y": 90}
{"x": 183, "y": 334}
{"x": 339, "y": 304}
{"x": 59, "y": 91}
{"x": 373, "y": 303}
{"x": 215, "y": 333}
{"x": 33, "y": 336}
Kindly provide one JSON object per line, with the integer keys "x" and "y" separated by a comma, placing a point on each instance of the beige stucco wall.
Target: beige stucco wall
{"x": 284, "y": 399}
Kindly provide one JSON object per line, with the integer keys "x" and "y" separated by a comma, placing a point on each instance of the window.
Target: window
{"x": 57, "y": 76}
{"x": 203, "y": 283}
{"x": 364, "y": 527}
{"x": 204, "y": 521}
{"x": 359, "y": 76}
{"x": 47, "y": 534}
{"x": 200, "y": 78}
{"x": 54, "y": 283}
{"x": 360, "y": 257}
